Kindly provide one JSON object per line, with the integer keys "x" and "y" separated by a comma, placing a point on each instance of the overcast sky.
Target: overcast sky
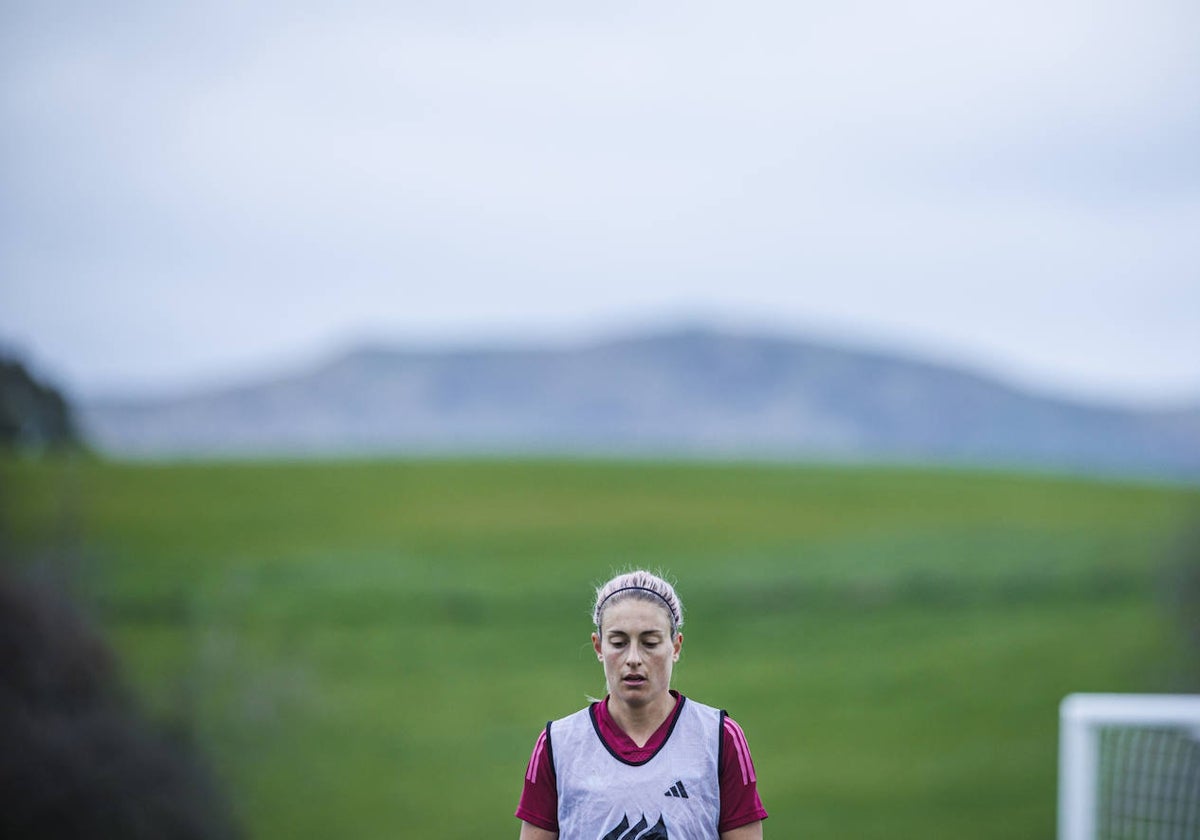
{"x": 201, "y": 190}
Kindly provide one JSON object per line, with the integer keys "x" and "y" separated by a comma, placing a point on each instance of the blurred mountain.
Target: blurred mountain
{"x": 689, "y": 392}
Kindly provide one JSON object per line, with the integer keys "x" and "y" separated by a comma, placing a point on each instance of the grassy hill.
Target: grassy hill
{"x": 368, "y": 649}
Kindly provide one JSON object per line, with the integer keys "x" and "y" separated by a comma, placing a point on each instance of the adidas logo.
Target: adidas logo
{"x": 677, "y": 790}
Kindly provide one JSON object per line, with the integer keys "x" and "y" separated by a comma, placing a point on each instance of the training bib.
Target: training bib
{"x": 673, "y": 795}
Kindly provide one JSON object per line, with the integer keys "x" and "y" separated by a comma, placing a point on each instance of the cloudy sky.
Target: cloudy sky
{"x": 202, "y": 190}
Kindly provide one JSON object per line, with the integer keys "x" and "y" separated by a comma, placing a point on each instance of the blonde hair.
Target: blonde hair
{"x": 643, "y": 586}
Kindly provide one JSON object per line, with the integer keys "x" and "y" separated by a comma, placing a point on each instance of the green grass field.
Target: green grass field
{"x": 368, "y": 649}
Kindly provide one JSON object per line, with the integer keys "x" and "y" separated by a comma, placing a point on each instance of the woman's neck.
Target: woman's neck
{"x": 642, "y": 721}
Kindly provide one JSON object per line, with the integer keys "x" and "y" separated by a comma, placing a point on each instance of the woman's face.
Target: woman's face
{"x": 635, "y": 644}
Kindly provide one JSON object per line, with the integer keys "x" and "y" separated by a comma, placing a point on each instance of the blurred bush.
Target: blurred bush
{"x": 76, "y": 758}
{"x": 33, "y": 415}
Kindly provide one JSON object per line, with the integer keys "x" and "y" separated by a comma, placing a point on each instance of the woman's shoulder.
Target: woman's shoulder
{"x": 582, "y": 715}
{"x": 696, "y": 707}
{"x": 732, "y": 734}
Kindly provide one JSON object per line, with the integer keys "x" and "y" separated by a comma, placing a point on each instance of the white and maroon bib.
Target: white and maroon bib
{"x": 673, "y": 795}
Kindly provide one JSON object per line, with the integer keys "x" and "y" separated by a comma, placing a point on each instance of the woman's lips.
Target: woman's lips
{"x": 633, "y": 679}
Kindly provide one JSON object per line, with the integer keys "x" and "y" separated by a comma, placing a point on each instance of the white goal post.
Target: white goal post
{"x": 1129, "y": 767}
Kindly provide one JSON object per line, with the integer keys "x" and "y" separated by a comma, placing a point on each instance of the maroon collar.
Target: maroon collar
{"x": 621, "y": 745}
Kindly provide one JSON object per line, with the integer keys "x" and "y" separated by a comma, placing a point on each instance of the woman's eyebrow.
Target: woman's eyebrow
{"x": 641, "y": 635}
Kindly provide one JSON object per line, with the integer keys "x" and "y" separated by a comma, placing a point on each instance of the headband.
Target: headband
{"x": 670, "y": 609}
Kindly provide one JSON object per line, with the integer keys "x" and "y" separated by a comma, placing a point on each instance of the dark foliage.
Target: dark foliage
{"x": 76, "y": 760}
{"x": 33, "y": 415}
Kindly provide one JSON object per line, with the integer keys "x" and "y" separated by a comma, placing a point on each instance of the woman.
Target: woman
{"x": 645, "y": 763}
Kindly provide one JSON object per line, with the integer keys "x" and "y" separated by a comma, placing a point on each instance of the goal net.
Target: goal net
{"x": 1129, "y": 767}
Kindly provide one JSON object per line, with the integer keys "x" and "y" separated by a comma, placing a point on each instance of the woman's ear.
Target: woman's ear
{"x": 678, "y": 644}
{"x": 596, "y": 644}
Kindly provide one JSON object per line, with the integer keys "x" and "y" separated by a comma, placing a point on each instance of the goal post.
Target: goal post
{"x": 1129, "y": 767}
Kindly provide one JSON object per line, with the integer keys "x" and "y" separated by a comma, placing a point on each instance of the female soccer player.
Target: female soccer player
{"x": 645, "y": 763}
